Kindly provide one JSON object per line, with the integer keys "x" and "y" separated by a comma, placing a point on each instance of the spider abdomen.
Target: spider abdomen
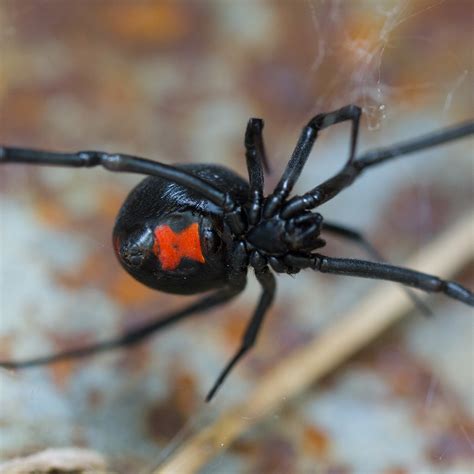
{"x": 172, "y": 239}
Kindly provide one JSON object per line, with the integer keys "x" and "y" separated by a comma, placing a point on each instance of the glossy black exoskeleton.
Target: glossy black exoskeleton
{"x": 193, "y": 228}
{"x": 157, "y": 203}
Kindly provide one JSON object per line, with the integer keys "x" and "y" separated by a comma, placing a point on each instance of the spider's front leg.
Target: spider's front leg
{"x": 353, "y": 168}
{"x": 256, "y": 162}
{"x": 116, "y": 162}
{"x": 303, "y": 149}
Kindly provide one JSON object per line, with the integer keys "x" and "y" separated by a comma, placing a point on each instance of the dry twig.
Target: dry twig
{"x": 57, "y": 461}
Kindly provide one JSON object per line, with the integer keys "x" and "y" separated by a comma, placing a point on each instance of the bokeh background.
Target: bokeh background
{"x": 176, "y": 81}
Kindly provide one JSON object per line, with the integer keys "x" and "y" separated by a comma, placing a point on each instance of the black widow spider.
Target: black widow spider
{"x": 192, "y": 228}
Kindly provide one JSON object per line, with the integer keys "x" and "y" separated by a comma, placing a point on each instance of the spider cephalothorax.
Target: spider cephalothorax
{"x": 193, "y": 228}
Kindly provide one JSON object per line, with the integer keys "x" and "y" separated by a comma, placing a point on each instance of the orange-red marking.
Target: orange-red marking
{"x": 170, "y": 246}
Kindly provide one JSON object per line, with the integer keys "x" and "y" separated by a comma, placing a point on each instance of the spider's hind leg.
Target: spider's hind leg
{"x": 267, "y": 281}
{"x": 360, "y": 239}
{"x": 384, "y": 271}
{"x": 133, "y": 336}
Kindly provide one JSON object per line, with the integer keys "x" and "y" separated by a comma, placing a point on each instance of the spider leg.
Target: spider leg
{"x": 255, "y": 147}
{"x": 303, "y": 148}
{"x": 333, "y": 186}
{"x": 384, "y": 271}
{"x": 358, "y": 238}
{"x": 267, "y": 280}
{"x": 117, "y": 163}
{"x": 133, "y": 336}
{"x": 256, "y": 163}
{"x": 377, "y": 156}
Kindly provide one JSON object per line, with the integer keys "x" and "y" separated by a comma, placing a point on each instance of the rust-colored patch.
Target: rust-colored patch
{"x": 135, "y": 360}
{"x": 87, "y": 272}
{"x": 168, "y": 416}
{"x": 243, "y": 447}
{"x": 406, "y": 375}
{"x": 185, "y": 392}
{"x": 5, "y": 347}
{"x": 52, "y": 213}
{"x": 363, "y": 33}
{"x": 234, "y": 326}
{"x": 62, "y": 371}
{"x": 24, "y": 107}
{"x": 171, "y": 247}
{"x": 102, "y": 271}
{"x": 125, "y": 290}
{"x": 111, "y": 199}
{"x": 316, "y": 442}
{"x": 277, "y": 455}
{"x": 164, "y": 420}
{"x": 160, "y": 23}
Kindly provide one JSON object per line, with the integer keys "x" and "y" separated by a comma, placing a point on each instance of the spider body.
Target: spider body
{"x": 197, "y": 228}
{"x": 171, "y": 239}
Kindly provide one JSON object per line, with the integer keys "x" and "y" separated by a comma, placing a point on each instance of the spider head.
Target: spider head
{"x": 300, "y": 233}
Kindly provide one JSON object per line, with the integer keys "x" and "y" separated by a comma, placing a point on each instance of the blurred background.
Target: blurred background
{"x": 176, "y": 81}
